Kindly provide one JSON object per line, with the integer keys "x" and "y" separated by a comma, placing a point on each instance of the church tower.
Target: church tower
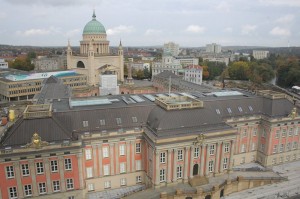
{"x": 69, "y": 55}
{"x": 91, "y": 60}
{"x": 121, "y": 61}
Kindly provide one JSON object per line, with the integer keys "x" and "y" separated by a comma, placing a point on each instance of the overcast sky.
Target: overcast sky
{"x": 191, "y": 23}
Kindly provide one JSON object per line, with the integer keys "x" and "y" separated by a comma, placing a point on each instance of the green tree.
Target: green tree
{"x": 147, "y": 74}
{"x": 239, "y": 70}
{"x": 140, "y": 74}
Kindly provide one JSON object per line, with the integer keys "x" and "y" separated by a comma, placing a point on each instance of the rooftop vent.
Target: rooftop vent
{"x": 179, "y": 102}
{"x": 38, "y": 111}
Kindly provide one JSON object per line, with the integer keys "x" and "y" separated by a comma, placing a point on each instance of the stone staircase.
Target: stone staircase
{"x": 198, "y": 181}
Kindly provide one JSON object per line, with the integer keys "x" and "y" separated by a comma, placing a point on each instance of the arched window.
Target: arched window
{"x": 80, "y": 64}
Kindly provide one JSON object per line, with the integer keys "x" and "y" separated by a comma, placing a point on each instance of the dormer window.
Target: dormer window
{"x": 119, "y": 121}
{"x": 85, "y": 123}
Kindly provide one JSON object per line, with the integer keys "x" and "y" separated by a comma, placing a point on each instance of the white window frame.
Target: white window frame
{"x": 225, "y": 163}
{"x": 180, "y": 154}
{"x": 277, "y": 134}
{"x": 54, "y": 165}
{"x": 39, "y": 168}
{"x": 275, "y": 147}
{"x": 138, "y": 165}
{"x": 212, "y": 149}
{"x": 88, "y": 154}
{"x": 281, "y": 148}
{"x": 107, "y": 184}
{"x": 226, "y": 148}
{"x": 196, "y": 152}
{"x": 243, "y": 148}
{"x": 134, "y": 119}
{"x": 295, "y": 145}
{"x": 162, "y": 157}
{"x": 102, "y": 122}
{"x": 42, "y": 188}
{"x": 119, "y": 121}
{"x": 91, "y": 187}
{"x": 122, "y": 167}
{"x": 13, "y": 194}
{"x": 138, "y": 179}
{"x": 69, "y": 184}
{"x": 56, "y": 185}
{"x": 291, "y": 131}
{"x": 162, "y": 175}
{"x": 105, "y": 152}
{"x": 123, "y": 181}
{"x": 25, "y": 170}
{"x": 283, "y": 132}
{"x": 253, "y": 147}
{"x": 138, "y": 147}
{"x": 122, "y": 149}
{"x": 85, "y": 123}
{"x": 27, "y": 190}
{"x": 210, "y": 166}
{"x": 106, "y": 169}
{"x": 179, "y": 172}
{"x": 89, "y": 172}
{"x": 10, "y": 173}
{"x": 68, "y": 164}
{"x": 254, "y": 131}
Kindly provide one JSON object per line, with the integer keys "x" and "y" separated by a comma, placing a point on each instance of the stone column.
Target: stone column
{"x": 207, "y": 159}
{"x": 47, "y": 172}
{"x": 111, "y": 156}
{"x": 192, "y": 161}
{"x": 100, "y": 157}
{"x": 80, "y": 170}
{"x": 19, "y": 181}
{"x": 117, "y": 155}
{"x": 169, "y": 172}
{"x": 202, "y": 160}
{"x": 156, "y": 168}
{"x": 132, "y": 143}
{"x": 231, "y": 155}
{"x": 175, "y": 165}
{"x": 61, "y": 173}
{"x": 128, "y": 156}
{"x": 218, "y": 156}
{"x": 95, "y": 159}
{"x": 186, "y": 163}
{"x": 222, "y": 158}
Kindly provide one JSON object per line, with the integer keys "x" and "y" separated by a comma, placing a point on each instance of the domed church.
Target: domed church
{"x": 95, "y": 58}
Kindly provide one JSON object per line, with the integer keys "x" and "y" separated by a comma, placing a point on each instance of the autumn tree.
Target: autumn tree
{"x": 238, "y": 70}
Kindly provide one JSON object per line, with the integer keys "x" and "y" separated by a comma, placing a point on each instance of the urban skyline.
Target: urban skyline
{"x": 189, "y": 23}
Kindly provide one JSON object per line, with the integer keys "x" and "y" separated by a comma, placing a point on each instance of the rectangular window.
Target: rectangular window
{"x": 54, "y": 165}
{"x": 42, "y": 188}
{"x": 179, "y": 171}
{"x": 162, "y": 175}
{"x": 138, "y": 148}
{"x": 254, "y": 131}
{"x": 102, "y": 122}
{"x": 264, "y": 133}
{"x": 123, "y": 181}
{"x": 196, "y": 152}
{"x": 277, "y": 134}
{"x": 10, "y": 172}
{"x": 134, "y": 119}
{"x": 226, "y": 148}
{"x": 275, "y": 149}
{"x": 296, "y": 132}
{"x": 273, "y": 161}
{"x": 229, "y": 110}
{"x": 39, "y": 168}
{"x": 283, "y": 132}
{"x": 56, "y": 186}
{"x": 250, "y": 108}
{"x": 245, "y": 133}
{"x": 107, "y": 184}
{"x": 210, "y": 166}
{"x": 212, "y": 149}
{"x": 13, "y": 193}
{"x": 68, "y": 164}
{"x": 138, "y": 165}
{"x": 163, "y": 157}
{"x": 281, "y": 148}
{"x": 70, "y": 184}
{"x": 91, "y": 187}
{"x": 88, "y": 154}
{"x": 225, "y": 163}
{"x": 138, "y": 179}
{"x": 122, "y": 167}
{"x": 262, "y": 147}
{"x": 89, "y": 172}
{"x": 106, "y": 170}
{"x": 253, "y": 148}
{"x": 180, "y": 154}
{"x": 291, "y": 131}
{"x": 218, "y": 111}
{"x": 119, "y": 121}
{"x": 25, "y": 169}
{"x": 288, "y": 146}
{"x": 243, "y": 149}
{"x": 105, "y": 152}
{"x": 122, "y": 149}
{"x": 295, "y": 145}
{"x": 27, "y": 190}
{"x": 240, "y": 109}
{"x": 85, "y": 123}
{"x": 281, "y": 159}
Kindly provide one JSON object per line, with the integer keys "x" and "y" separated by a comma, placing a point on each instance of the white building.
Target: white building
{"x": 217, "y": 59}
{"x": 172, "y": 48}
{"x": 3, "y": 64}
{"x": 187, "y": 61}
{"x": 108, "y": 84}
{"x": 168, "y": 63}
{"x": 213, "y": 48}
{"x": 260, "y": 54}
{"x": 140, "y": 66}
{"x": 193, "y": 74}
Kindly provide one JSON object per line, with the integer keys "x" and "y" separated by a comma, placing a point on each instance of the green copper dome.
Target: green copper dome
{"x": 94, "y": 27}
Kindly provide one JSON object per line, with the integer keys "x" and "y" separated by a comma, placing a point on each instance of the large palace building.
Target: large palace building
{"x": 73, "y": 147}
{"x": 95, "y": 57}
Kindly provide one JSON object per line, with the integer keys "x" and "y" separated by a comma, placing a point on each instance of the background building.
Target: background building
{"x": 213, "y": 48}
{"x": 3, "y": 64}
{"x": 260, "y": 54}
{"x": 95, "y": 57}
{"x": 172, "y": 48}
{"x": 193, "y": 74}
{"x": 43, "y": 63}
{"x": 109, "y": 84}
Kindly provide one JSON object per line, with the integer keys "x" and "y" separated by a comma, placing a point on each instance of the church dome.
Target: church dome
{"x": 94, "y": 27}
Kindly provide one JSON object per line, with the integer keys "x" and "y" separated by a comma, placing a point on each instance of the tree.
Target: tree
{"x": 205, "y": 72}
{"x": 215, "y": 69}
{"x": 125, "y": 70}
{"x": 238, "y": 70}
{"x": 147, "y": 74}
{"x": 140, "y": 74}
